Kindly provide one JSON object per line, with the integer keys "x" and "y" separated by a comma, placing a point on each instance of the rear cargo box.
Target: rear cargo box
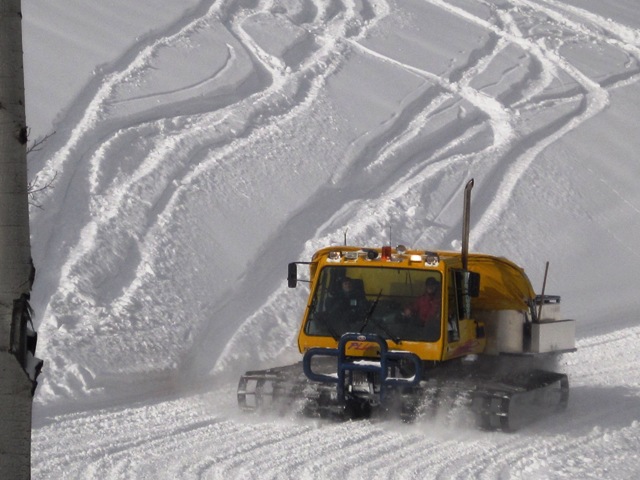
{"x": 551, "y": 333}
{"x": 553, "y": 336}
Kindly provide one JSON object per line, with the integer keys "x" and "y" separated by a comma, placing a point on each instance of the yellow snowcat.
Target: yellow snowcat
{"x": 405, "y": 332}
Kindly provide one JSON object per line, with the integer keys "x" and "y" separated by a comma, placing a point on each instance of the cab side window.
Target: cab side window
{"x": 454, "y": 306}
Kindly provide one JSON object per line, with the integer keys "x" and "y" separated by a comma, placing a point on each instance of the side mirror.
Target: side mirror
{"x": 292, "y": 275}
{"x": 468, "y": 283}
{"x": 473, "y": 288}
{"x": 467, "y": 287}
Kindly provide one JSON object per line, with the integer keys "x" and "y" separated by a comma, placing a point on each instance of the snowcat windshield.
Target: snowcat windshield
{"x": 396, "y": 303}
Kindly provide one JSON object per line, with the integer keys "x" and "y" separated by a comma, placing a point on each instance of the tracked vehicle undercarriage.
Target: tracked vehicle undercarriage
{"x": 352, "y": 388}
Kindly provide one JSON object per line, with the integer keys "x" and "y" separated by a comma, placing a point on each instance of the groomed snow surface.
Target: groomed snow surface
{"x": 199, "y": 146}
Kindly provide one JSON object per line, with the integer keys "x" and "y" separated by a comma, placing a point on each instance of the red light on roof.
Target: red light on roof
{"x": 386, "y": 253}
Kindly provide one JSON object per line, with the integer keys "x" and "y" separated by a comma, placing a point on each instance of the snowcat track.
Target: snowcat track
{"x": 506, "y": 404}
{"x": 509, "y": 407}
{"x": 286, "y": 390}
{"x": 271, "y": 390}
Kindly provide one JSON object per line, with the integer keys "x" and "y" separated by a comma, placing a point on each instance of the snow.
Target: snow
{"x": 198, "y": 147}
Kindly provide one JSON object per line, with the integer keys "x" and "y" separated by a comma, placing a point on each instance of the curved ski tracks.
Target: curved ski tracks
{"x": 199, "y": 437}
{"x": 137, "y": 201}
{"x": 417, "y": 167}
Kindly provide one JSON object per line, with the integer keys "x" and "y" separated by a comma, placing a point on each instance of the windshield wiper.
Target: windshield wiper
{"x": 381, "y": 326}
{"x": 370, "y": 312}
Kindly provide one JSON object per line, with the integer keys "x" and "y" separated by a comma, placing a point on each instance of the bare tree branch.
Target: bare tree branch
{"x": 34, "y": 187}
{"x": 36, "y": 146}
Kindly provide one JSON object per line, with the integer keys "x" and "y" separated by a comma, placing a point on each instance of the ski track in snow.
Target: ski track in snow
{"x": 201, "y": 436}
{"x": 137, "y": 206}
{"x": 514, "y": 146}
{"x": 490, "y": 117}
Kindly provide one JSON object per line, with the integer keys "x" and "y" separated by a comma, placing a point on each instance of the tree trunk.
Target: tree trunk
{"x": 16, "y": 386}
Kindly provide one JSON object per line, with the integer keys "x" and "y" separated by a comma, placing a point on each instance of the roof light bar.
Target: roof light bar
{"x": 334, "y": 256}
{"x": 432, "y": 259}
{"x": 351, "y": 255}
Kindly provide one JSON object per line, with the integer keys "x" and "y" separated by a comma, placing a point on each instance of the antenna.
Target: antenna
{"x": 345, "y": 236}
{"x": 544, "y": 286}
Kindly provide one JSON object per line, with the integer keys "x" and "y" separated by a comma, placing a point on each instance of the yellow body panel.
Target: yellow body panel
{"x": 467, "y": 344}
{"x": 503, "y": 285}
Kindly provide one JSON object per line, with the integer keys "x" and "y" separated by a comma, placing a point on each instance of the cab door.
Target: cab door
{"x": 463, "y": 335}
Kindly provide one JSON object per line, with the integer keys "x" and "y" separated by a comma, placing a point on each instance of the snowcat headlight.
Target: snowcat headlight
{"x": 432, "y": 259}
{"x": 334, "y": 256}
{"x": 415, "y": 258}
{"x": 351, "y": 255}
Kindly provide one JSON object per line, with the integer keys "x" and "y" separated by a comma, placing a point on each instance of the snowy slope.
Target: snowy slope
{"x": 199, "y": 148}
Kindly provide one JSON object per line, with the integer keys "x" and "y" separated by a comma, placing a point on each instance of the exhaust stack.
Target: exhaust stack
{"x": 466, "y": 214}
